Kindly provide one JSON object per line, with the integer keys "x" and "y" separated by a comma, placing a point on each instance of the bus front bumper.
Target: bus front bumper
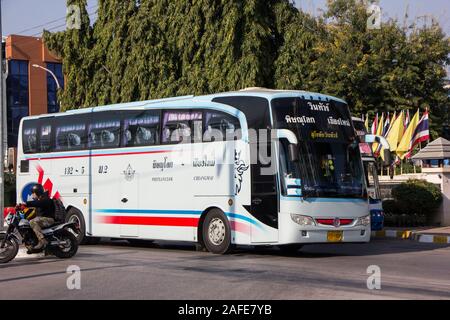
{"x": 295, "y": 233}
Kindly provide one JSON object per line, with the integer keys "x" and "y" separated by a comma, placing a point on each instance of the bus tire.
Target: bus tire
{"x": 216, "y": 232}
{"x": 74, "y": 215}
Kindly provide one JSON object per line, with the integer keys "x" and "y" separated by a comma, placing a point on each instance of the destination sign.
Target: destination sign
{"x": 314, "y": 120}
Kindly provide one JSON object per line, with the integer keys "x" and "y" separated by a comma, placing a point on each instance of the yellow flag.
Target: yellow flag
{"x": 379, "y": 132}
{"x": 403, "y": 146}
{"x": 366, "y": 123}
{"x": 395, "y": 134}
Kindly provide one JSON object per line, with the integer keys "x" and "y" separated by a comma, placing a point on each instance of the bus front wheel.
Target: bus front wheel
{"x": 216, "y": 232}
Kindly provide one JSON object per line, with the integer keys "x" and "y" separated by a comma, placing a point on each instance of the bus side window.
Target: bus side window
{"x": 70, "y": 133}
{"x": 45, "y": 135}
{"x": 180, "y": 126}
{"x": 104, "y": 133}
{"x": 141, "y": 128}
{"x": 29, "y": 136}
{"x": 221, "y": 126}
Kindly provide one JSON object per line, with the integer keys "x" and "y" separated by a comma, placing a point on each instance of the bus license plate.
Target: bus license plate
{"x": 335, "y": 236}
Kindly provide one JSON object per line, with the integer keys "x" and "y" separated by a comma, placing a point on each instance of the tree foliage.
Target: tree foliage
{"x": 146, "y": 49}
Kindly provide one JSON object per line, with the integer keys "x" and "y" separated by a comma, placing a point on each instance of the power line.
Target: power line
{"x": 59, "y": 26}
{"x": 53, "y": 21}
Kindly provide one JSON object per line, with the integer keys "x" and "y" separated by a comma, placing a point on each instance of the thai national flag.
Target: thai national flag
{"x": 374, "y": 125}
{"x": 386, "y": 126}
{"x": 421, "y": 133}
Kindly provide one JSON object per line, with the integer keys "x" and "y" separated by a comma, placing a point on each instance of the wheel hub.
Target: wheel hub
{"x": 216, "y": 231}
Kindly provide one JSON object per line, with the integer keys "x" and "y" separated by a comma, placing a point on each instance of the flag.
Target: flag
{"x": 396, "y": 132}
{"x": 386, "y": 126}
{"x": 384, "y": 132}
{"x": 406, "y": 143}
{"x": 421, "y": 133}
{"x": 366, "y": 123}
{"x": 373, "y": 130}
{"x": 378, "y": 133}
{"x": 407, "y": 119}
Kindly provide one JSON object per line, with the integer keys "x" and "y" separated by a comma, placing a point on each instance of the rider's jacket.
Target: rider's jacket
{"x": 45, "y": 207}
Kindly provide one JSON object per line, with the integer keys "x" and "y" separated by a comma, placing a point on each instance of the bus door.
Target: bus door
{"x": 264, "y": 196}
{"x": 128, "y": 198}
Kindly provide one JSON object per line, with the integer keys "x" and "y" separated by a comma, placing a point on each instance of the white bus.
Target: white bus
{"x": 201, "y": 169}
{"x": 371, "y": 173}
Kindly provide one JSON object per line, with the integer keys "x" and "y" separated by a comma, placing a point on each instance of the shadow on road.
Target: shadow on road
{"x": 375, "y": 247}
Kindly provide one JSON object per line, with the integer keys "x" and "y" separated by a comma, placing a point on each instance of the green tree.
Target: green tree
{"x": 73, "y": 46}
{"x": 149, "y": 49}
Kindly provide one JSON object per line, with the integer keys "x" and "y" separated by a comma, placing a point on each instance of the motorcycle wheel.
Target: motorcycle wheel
{"x": 68, "y": 251}
{"x": 10, "y": 250}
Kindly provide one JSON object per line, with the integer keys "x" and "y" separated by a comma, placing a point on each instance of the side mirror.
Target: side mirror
{"x": 293, "y": 153}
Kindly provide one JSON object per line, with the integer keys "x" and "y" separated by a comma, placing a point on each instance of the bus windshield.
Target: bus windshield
{"x": 329, "y": 157}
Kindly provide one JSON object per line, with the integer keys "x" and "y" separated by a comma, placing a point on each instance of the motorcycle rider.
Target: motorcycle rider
{"x": 45, "y": 216}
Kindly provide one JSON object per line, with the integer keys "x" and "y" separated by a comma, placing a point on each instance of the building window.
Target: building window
{"x": 52, "y": 88}
{"x": 17, "y": 98}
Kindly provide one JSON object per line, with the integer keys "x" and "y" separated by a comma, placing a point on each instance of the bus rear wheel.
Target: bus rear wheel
{"x": 216, "y": 232}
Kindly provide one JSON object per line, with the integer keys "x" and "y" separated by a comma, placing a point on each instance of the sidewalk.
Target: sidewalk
{"x": 422, "y": 234}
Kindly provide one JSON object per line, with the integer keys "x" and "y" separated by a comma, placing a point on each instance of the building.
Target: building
{"x": 30, "y": 90}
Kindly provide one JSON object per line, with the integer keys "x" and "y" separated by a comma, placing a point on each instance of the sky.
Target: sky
{"x": 439, "y": 9}
{"x": 28, "y": 17}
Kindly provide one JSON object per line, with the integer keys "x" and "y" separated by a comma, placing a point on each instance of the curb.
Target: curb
{"x": 401, "y": 234}
{"x": 411, "y": 235}
{"x": 429, "y": 238}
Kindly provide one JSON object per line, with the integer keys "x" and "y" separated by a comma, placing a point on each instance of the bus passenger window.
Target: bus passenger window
{"x": 220, "y": 126}
{"x": 104, "y": 134}
{"x": 45, "y": 140}
{"x": 29, "y": 136}
{"x": 179, "y": 126}
{"x": 141, "y": 129}
{"x": 70, "y": 136}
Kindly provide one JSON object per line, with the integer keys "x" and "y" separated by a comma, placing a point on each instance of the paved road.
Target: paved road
{"x": 117, "y": 270}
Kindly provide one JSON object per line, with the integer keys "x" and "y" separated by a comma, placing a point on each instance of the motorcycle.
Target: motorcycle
{"x": 62, "y": 242}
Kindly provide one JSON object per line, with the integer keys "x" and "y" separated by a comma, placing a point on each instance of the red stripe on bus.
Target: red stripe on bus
{"x": 240, "y": 227}
{"x": 150, "y": 221}
{"x": 100, "y": 155}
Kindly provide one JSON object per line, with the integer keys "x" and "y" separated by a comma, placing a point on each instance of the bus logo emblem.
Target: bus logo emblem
{"x": 337, "y": 222}
{"x": 129, "y": 173}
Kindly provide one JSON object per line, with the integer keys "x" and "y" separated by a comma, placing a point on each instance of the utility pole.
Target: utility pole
{"x": 2, "y": 115}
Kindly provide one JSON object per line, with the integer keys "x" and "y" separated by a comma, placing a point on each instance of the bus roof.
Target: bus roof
{"x": 272, "y": 94}
{"x": 183, "y": 101}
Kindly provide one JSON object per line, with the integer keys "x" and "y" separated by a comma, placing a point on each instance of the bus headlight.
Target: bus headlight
{"x": 302, "y": 220}
{"x": 363, "y": 221}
